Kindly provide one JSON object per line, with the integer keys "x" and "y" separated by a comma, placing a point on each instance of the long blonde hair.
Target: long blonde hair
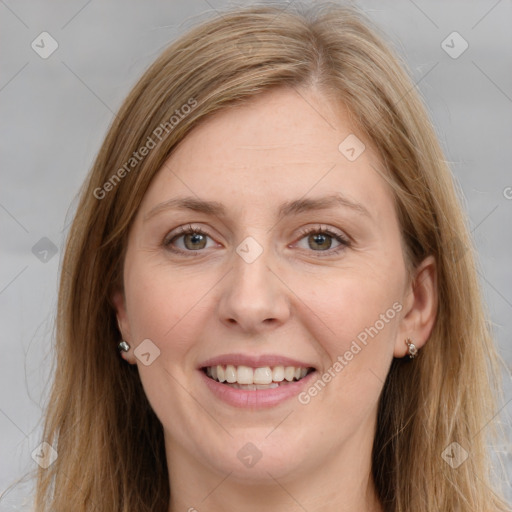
{"x": 109, "y": 441}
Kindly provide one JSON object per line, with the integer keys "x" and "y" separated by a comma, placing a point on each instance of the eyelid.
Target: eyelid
{"x": 183, "y": 230}
{"x": 322, "y": 228}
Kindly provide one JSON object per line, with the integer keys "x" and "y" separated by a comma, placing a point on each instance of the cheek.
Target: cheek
{"x": 341, "y": 313}
{"x": 354, "y": 306}
{"x": 356, "y": 325}
{"x": 160, "y": 299}
{"x": 163, "y": 306}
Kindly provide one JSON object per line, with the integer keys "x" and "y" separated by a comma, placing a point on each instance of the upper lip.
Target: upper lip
{"x": 253, "y": 361}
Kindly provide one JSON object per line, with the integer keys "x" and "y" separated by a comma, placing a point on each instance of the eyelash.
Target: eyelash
{"x": 189, "y": 230}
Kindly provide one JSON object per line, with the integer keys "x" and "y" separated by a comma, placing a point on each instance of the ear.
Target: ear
{"x": 420, "y": 307}
{"x": 119, "y": 303}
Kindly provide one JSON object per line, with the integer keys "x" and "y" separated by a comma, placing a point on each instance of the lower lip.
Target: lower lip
{"x": 257, "y": 398}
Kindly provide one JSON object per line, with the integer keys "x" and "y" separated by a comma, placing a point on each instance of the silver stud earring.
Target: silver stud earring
{"x": 413, "y": 351}
{"x": 123, "y": 346}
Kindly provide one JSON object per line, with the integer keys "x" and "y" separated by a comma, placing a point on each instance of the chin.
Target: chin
{"x": 252, "y": 462}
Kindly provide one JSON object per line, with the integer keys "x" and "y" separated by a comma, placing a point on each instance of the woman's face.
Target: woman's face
{"x": 296, "y": 268}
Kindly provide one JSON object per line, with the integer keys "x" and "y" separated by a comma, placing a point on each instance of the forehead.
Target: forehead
{"x": 282, "y": 126}
{"x": 279, "y": 146}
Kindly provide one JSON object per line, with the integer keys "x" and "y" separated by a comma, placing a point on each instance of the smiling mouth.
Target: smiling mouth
{"x": 247, "y": 378}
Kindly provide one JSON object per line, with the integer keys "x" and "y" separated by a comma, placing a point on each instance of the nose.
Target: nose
{"x": 254, "y": 296}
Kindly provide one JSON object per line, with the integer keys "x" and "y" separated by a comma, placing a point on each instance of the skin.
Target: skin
{"x": 297, "y": 299}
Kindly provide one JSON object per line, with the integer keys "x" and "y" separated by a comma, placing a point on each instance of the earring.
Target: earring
{"x": 123, "y": 346}
{"x": 413, "y": 351}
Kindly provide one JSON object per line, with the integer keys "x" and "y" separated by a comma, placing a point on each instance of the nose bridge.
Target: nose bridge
{"x": 252, "y": 277}
{"x": 251, "y": 265}
{"x": 253, "y": 296}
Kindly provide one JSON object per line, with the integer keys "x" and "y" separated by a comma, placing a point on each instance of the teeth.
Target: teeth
{"x": 245, "y": 377}
{"x": 278, "y": 374}
{"x": 289, "y": 373}
{"x": 230, "y": 373}
{"x": 262, "y": 375}
{"x": 254, "y": 387}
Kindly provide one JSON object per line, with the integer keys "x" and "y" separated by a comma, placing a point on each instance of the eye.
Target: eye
{"x": 320, "y": 239}
{"x": 194, "y": 239}
{"x": 189, "y": 239}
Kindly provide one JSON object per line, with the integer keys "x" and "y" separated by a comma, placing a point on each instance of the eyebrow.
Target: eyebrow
{"x": 286, "y": 209}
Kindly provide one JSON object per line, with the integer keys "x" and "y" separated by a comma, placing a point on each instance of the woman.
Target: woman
{"x": 271, "y": 238}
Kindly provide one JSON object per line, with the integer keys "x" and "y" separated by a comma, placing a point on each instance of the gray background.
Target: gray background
{"x": 54, "y": 113}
